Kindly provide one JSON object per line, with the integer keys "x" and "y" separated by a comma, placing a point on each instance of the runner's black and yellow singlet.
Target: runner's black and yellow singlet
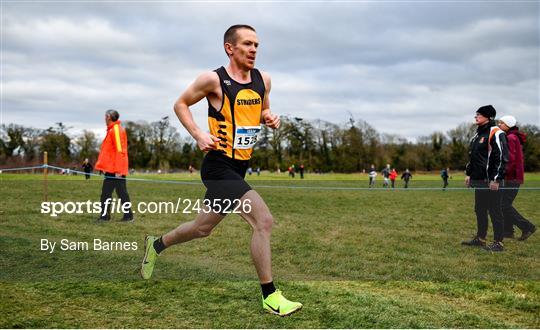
{"x": 238, "y": 122}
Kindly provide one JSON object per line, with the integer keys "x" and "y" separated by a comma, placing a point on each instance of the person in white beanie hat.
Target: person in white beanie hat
{"x": 509, "y": 121}
{"x": 513, "y": 179}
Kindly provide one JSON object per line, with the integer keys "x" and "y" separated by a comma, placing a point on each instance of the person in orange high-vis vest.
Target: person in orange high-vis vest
{"x": 113, "y": 162}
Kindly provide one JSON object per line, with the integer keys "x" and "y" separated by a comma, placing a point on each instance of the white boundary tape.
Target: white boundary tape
{"x": 264, "y": 186}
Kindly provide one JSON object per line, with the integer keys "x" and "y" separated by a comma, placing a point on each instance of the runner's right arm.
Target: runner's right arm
{"x": 204, "y": 85}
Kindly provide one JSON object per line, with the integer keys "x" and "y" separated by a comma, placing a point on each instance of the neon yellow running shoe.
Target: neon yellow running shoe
{"x": 150, "y": 256}
{"x": 279, "y": 305}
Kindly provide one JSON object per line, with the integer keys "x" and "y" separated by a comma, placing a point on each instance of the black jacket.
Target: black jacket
{"x": 444, "y": 174}
{"x": 406, "y": 176}
{"x": 87, "y": 167}
{"x": 485, "y": 163}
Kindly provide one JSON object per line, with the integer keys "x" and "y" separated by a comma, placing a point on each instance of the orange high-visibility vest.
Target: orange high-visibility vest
{"x": 113, "y": 157}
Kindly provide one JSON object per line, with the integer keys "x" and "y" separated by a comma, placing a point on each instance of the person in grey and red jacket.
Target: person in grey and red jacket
{"x": 513, "y": 179}
{"x": 488, "y": 154}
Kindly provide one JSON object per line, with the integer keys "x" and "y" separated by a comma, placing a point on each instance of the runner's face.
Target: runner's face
{"x": 245, "y": 49}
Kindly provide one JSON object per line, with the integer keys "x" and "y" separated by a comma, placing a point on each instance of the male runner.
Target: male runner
{"x": 237, "y": 104}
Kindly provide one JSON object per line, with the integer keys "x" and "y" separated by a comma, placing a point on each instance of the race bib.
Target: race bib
{"x": 246, "y": 136}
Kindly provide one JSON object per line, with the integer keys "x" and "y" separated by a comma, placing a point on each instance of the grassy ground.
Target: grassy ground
{"x": 355, "y": 258}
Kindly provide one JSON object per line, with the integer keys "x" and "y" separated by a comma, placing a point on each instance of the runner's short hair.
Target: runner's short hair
{"x": 230, "y": 35}
{"x": 113, "y": 114}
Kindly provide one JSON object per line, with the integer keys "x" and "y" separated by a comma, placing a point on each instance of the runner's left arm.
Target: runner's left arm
{"x": 267, "y": 117}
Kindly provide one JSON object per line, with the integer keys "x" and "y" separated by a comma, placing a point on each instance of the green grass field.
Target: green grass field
{"x": 354, "y": 258}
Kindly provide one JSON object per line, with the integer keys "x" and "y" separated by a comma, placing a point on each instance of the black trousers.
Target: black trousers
{"x": 110, "y": 184}
{"x": 445, "y": 182}
{"x": 511, "y": 215}
{"x": 489, "y": 201}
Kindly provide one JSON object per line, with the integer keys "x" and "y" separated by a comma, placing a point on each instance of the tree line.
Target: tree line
{"x": 318, "y": 145}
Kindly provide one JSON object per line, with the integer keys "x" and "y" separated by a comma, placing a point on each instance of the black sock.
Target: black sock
{"x": 268, "y": 289}
{"x": 158, "y": 245}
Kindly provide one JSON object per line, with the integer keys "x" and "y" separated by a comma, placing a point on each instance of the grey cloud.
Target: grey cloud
{"x": 395, "y": 65}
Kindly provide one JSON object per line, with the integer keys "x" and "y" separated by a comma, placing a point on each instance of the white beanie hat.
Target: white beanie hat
{"x": 510, "y": 121}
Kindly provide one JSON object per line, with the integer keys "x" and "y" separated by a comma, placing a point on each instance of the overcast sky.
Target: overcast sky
{"x": 407, "y": 68}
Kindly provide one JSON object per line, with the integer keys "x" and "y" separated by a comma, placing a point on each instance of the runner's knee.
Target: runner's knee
{"x": 265, "y": 222}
